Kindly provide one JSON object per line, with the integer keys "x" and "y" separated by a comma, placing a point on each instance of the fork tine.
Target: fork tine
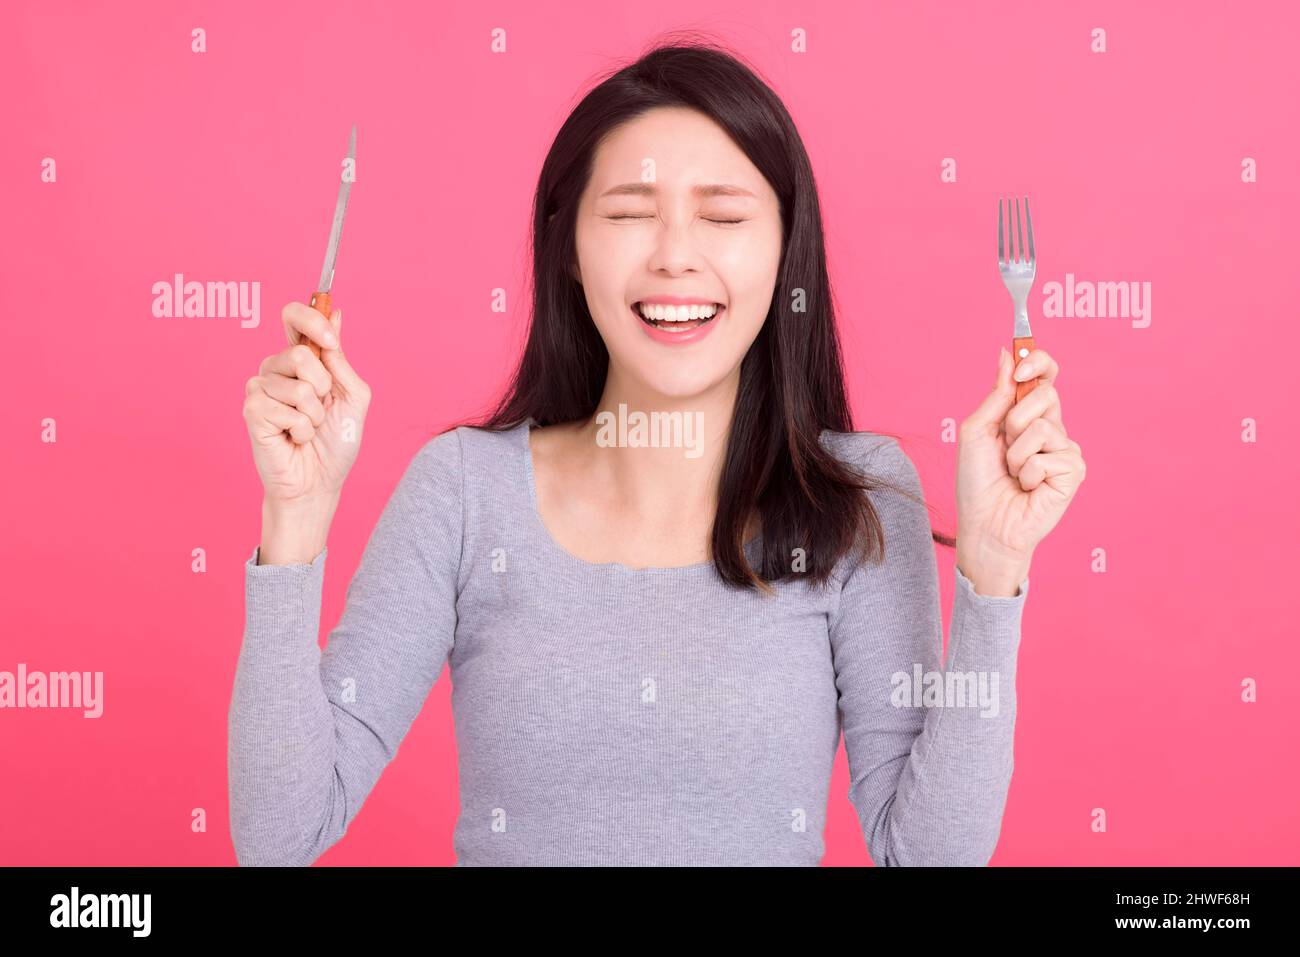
{"x": 1030, "y": 223}
{"x": 1001, "y": 255}
{"x": 1020, "y": 236}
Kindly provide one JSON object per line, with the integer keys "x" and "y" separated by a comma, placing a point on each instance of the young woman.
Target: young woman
{"x": 655, "y": 635}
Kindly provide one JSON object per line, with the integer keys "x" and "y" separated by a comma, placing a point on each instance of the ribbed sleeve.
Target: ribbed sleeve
{"x": 310, "y": 731}
{"x": 929, "y": 772}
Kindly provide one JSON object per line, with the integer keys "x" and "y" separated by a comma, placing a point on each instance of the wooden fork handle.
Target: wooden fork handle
{"x": 1020, "y": 348}
{"x": 320, "y": 301}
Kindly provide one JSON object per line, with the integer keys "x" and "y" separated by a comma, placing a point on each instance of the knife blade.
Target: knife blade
{"x": 322, "y": 299}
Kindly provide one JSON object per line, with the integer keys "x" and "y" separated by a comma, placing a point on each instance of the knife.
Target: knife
{"x": 321, "y": 300}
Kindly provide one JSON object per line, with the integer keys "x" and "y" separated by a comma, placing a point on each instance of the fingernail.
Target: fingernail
{"x": 330, "y": 340}
{"x": 1023, "y": 371}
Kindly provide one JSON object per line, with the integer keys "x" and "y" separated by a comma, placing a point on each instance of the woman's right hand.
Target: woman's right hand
{"x": 305, "y": 417}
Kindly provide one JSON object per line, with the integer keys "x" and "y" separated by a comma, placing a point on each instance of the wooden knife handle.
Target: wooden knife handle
{"x": 1020, "y": 348}
{"x": 320, "y": 301}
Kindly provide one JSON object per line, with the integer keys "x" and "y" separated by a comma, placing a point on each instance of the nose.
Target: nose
{"x": 674, "y": 251}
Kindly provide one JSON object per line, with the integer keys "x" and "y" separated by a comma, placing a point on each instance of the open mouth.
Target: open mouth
{"x": 677, "y": 319}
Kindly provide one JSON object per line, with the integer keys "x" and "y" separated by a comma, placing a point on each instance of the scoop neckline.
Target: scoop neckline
{"x": 543, "y": 533}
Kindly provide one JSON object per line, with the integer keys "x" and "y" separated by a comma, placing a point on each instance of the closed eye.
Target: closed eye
{"x": 729, "y": 222}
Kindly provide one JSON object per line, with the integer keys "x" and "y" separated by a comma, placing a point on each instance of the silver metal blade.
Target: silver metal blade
{"x": 336, "y": 229}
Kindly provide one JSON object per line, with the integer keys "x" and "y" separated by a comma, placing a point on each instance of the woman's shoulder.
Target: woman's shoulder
{"x": 468, "y": 449}
{"x": 482, "y": 470}
{"x": 877, "y": 451}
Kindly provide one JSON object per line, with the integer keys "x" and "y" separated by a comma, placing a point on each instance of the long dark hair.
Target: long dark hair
{"x": 791, "y": 379}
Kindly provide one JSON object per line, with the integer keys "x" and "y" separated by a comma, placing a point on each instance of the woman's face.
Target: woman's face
{"x": 675, "y": 211}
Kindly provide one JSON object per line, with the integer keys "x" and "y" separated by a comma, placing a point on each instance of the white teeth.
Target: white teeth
{"x": 665, "y": 313}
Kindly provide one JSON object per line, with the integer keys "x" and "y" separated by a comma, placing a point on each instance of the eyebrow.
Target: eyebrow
{"x": 648, "y": 189}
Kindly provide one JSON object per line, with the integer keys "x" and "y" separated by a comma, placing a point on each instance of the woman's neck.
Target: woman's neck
{"x": 658, "y": 456}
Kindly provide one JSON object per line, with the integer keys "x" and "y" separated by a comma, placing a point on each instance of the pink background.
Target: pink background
{"x": 224, "y": 165}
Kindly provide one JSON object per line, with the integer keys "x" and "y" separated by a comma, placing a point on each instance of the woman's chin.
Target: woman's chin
{"x": 674, "y": 375}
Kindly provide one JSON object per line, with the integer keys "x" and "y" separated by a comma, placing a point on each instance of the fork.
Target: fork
{"x": 1018, "y": 277}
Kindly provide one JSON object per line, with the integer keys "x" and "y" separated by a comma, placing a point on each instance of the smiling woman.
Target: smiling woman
{"x": 653, "y": 655}
{"x": 690, "y": 188}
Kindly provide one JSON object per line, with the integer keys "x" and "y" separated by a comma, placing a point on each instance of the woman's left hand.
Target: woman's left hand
{"x": 1017, "y": 472}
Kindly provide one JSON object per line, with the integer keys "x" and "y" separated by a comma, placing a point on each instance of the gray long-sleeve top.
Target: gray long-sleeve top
{"x": 610, "y": 715}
